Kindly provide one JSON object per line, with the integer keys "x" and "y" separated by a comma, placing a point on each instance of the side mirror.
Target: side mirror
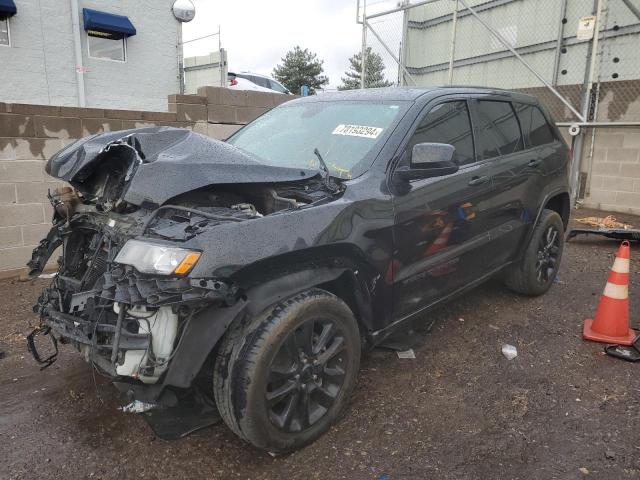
{"x": 429, "y": 160}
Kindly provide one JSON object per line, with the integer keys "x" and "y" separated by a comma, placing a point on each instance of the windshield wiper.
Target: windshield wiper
{"x": 325, "y": 173}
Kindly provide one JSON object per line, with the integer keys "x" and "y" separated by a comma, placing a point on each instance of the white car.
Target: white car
{"x": 256, "y": 82}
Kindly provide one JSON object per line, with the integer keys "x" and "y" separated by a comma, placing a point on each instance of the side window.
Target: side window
{"x": 262, "y": 82}
{"x": 277, "y": 87}
{"x": 499, "y": 131}
{"x": 449, "y": 123}
{"x": 535, "y": 127}
{"x": 4, "y": 33}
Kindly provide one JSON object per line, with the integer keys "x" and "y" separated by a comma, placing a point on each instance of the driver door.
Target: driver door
{"x": 440, "y": 233}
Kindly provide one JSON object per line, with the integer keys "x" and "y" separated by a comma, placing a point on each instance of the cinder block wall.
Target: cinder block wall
{"x": 31, "y": 134}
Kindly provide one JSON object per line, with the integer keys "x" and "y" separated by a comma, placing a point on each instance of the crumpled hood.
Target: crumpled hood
{"x": 170, "y": 161}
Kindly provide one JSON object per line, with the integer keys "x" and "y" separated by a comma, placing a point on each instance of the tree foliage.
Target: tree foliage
{"x": 374, "y": 72}
{"x": 300, "y": 67}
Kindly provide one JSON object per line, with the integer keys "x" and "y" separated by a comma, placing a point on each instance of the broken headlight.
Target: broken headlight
{"x": 159, "y": 259}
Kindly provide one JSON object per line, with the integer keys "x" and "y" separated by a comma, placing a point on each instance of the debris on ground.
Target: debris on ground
{"x": 137, "y": 407}
{"x": 509, "y": 351}
{"x": 607, "y": 222}
{"x": 407, "y": 354}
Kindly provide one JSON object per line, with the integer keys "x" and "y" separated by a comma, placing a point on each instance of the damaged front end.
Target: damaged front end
{"x": 129, "y": 230}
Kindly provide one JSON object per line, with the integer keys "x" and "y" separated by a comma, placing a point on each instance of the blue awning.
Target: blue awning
{"x": 7, "y": 9}
{"x": 107, "y": 25}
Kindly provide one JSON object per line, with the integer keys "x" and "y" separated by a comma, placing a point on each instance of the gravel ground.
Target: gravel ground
{"x": 460, "y": 410}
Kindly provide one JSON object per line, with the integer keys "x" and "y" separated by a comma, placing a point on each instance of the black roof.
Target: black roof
{"x": 406, "y": 93}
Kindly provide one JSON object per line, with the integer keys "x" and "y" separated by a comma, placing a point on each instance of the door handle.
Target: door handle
{"x": 533, "y": 163}
{"x": 478, "y": 180}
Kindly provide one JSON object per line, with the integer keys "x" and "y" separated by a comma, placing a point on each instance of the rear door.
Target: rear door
{"x": 440, "y": 234}
{"x": 515, "y": 172}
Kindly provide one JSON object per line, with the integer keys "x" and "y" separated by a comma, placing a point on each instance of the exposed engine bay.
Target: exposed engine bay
{"x": 127, "y": 230}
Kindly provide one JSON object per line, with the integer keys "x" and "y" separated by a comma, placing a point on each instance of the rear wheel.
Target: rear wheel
{"x": 535, "y": 273}
{"x": 281, "y": 381}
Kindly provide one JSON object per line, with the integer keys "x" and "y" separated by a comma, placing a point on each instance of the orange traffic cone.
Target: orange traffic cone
{"x": 611, "y": 323}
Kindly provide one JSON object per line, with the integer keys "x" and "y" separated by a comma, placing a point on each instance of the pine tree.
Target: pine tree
{"x": 300, "y": 67}
{"x": 374, "y": 72}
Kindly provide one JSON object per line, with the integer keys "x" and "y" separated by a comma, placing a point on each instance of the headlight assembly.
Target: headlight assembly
{"x": 159, "y": 259}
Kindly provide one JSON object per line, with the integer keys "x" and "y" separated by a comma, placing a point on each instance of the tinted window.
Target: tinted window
{"x": 277, "y": 87}
{"x": 535, "y": 127}
{"x": 263, "y": 82}
{"x": 448, "y": 123}
{"x": 498, "y": 128}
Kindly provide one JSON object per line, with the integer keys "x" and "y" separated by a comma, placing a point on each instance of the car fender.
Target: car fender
{"x": 206, "y": 327}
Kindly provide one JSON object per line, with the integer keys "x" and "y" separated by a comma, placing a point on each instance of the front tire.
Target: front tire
{"x": 537, "y": 269}
{"x": 282, "y": 380}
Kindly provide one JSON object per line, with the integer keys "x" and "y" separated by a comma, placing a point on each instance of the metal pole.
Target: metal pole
{"x": 452, "y": 50}
{"x": 405, "y": 35}
{"x": 363, "y": 53}
{"x": 180, "y": 59}
{"x": 632, "y": 7}
{"x": 556, "y": 63}
{"x": 401, "y": 8}
{"x": 502, "y": 40}
{"x": 391, "y": 53}
{"x": 75, "y": 19}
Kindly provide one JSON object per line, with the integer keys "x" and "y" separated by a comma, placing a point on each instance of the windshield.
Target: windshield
{"x": 343, "y": 132}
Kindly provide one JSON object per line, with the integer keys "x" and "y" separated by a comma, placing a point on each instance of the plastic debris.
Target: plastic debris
{"x": 407, "y": 354}
{"x": 509, "y": 351}
{"x": 583, "y": 470}
{"x": 47, "y": 275}
{"x": 137, "y": 407}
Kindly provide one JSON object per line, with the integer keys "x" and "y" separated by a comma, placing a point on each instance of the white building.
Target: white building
{"x": 95, "y": 53}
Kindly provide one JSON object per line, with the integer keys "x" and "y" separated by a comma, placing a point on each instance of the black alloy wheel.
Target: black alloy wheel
{"x": 306, "y": 375}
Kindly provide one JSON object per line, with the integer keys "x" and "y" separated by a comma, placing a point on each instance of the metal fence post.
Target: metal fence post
{"x": 452, "y": 49}
{"x": 363, "y": 53}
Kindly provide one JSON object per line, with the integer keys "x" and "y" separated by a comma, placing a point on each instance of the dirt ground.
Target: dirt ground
{"x": 460, "y": 410}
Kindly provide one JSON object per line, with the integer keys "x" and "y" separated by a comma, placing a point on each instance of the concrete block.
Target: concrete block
{"x": 13, "y": 258}
{"x": 187, "y": 112}
{"x": 21, "y": 171}
{"x": 622, "y": 154}
{"x": 233, "y": 97}
{"x": 198, "y": 99}
{"x": 630, "y": 170}
{"x": 159, "y": 116}
{"x": 248, "y": 114}
{"x": 124, "y": 114}
{"x": 58, "y": 127}
{"x": 609, "y": 139}
{"x": 617, "y": 184}
{"x": 14, "y": 215}
{"x": 606, "y": 168}
{"x": 212, "y": 95}
{"x": 631, "y": 140}
{"x": 28, "y": 148}
{"x": 221, "y": 114}
{"x": 7, "y": 194}
{"x": 35, "y": 192}
{"x": 91, "y": 126}
{"x": 602, "y": 196}
{"x": 631, "y": 200}
{"x": 27, "y": 109}
{"x": 80, "y": 112}
{"x": 16, "y": 126}
{"x": 260, "y": 99}
{"x": 4, "y": 107}
{"x": 32, "y": 234}
{"x": 173, "y": 107}
{"x": 221, "y": 131}
{"x": 636, "y": 187}
{"x": 10, "y": 237}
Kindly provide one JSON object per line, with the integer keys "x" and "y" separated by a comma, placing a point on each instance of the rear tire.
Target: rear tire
{"x": 534, "y": 274}
{"x": 283, "y": 379}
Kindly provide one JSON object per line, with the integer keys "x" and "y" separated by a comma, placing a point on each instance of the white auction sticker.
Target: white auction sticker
{"x": 357, "y": 131}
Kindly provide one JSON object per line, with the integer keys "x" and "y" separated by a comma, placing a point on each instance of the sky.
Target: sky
{"x": 258, "y": 33}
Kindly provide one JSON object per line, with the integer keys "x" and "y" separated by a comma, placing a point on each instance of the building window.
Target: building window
{"x": 5, "y": 38}
{"x": 107, "y": 49}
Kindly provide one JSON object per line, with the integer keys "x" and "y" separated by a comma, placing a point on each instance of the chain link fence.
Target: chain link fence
{"x": 583, "y": 69}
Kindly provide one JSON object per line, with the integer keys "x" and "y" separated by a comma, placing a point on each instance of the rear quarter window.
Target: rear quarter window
{"x": 535, "y": 128}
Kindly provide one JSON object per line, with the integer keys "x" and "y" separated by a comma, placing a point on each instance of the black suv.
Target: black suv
{"x": 246, "y": 276}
